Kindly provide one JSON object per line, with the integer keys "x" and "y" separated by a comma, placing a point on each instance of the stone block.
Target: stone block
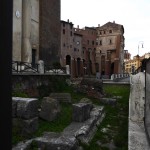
{"x": 25, "y": 127}
{"x": 109, "y": 101}
{"x": 61, "y": 97}
{"x": 14, "y": 107}
{"x": 27, "y": 108}
{"x": 81, "y": 111}
{"x": 50, "y": 109}
{"x": 57, "y": 143}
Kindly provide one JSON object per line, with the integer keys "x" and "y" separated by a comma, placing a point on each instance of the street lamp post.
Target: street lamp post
{"x": 140, "y": 42}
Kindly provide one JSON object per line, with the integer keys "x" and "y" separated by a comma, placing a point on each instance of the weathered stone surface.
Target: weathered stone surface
{"x": 109, "y": 101}
{"x": 50, "y": 109}
{"x": 92, "y": 87}
{"x": 53, "y": 141}
{"x": 85, "y": 100}
{"x": 23, "y": 145}
{"x": 41, "y": 66}
{"x": 84, "y": 131}
{"x": 81, "y": 111}
{"x": 26, "y": 107}
{"x": 61, "y": 97}
{"x": 68, "y": 139}
{"x": 26, "y": 127}
{"x": 14, "y": 107}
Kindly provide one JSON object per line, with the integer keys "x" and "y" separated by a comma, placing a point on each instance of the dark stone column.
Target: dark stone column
{"x": 50, "y": 27}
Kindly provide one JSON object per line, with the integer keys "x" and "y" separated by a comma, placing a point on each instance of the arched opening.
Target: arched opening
{"x": 112, "y": 68}
{"x": 68, "y": 60}
{"x": 102, "y": 65}
{"x": 97, "y": 67}
{"x": 78, "y": 66}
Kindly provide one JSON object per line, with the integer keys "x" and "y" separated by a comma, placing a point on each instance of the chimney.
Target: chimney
{"x": 68, "y": 20}
{"x": 78, "y": 26}
{"x": 98, "y": 25}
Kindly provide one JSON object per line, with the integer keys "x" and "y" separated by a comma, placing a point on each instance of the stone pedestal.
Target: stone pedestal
{"x": 50, "y": 109}
{"x": 81, "y": 111}
{"x": 41, "y": 66}
{"x": 67, "y": 69}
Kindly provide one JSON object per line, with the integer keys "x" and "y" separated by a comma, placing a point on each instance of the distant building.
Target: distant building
{"x": 92, "y": 50}
{"x": 88, "y": 48}
{"x": 110, "y": 48}
{"x": 146, "y": 55}
{"x": 132, "y": 65}
{"x": 71, "y": 49}
{"x": 127, "y": 55}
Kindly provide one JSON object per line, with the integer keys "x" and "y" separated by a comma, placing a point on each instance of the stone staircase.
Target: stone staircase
{"x": 85, "y": 119}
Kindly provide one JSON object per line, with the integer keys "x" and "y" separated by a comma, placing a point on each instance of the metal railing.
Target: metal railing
{"x": 54, "y": 70}
{"x": 24, "y": 67}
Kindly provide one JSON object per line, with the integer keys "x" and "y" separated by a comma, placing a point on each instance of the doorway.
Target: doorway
{"x": 33, "y": 58}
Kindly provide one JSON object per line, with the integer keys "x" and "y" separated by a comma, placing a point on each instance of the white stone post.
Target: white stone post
{"x": 67, "y": 69}
{"x": 41, "y": 66}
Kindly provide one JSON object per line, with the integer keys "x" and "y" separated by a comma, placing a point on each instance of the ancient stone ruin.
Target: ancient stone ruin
{"x": 85, "y": 119}
{"x": 50, "y": 109}
{"x": 25, "y": 114}
{"x": 90, "y": 86}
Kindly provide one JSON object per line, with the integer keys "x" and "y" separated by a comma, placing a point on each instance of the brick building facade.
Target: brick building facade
{"x": 71, "y": 49}
{"x": 110, "y": 48}
{"x": 88, "y": 48}
{"x": 101, "y": 49}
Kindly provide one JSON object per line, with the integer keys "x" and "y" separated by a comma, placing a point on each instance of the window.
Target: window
{"x": 110, "y": 31}
{"x": 104, "y": 32}
{"x": 74, "y": 49}
{"x": 93, "y": 42}
{"x": 96, "y": 43}
{"x": 110, "y": 42}
{"x": 63, "y": 31}
{"x": 64, "y": 44}
{"x": 100, "y": 32}
{"x": 70, "y": 33}
{"x": 100, "y": 42}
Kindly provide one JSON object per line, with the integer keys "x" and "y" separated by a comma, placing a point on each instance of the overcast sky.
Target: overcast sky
{"x": 134, "y": 15}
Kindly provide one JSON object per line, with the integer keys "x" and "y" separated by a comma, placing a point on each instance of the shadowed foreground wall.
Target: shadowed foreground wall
{"x": 37, "y": 85}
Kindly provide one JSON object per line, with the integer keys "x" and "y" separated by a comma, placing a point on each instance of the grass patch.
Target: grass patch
{"x": 116, "y": 121}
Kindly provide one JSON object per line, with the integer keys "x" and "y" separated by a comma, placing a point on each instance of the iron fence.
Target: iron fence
{"x": 24, "y": 67}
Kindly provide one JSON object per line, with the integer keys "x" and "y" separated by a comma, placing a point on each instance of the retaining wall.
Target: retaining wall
{"x": 35, "y": 85}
